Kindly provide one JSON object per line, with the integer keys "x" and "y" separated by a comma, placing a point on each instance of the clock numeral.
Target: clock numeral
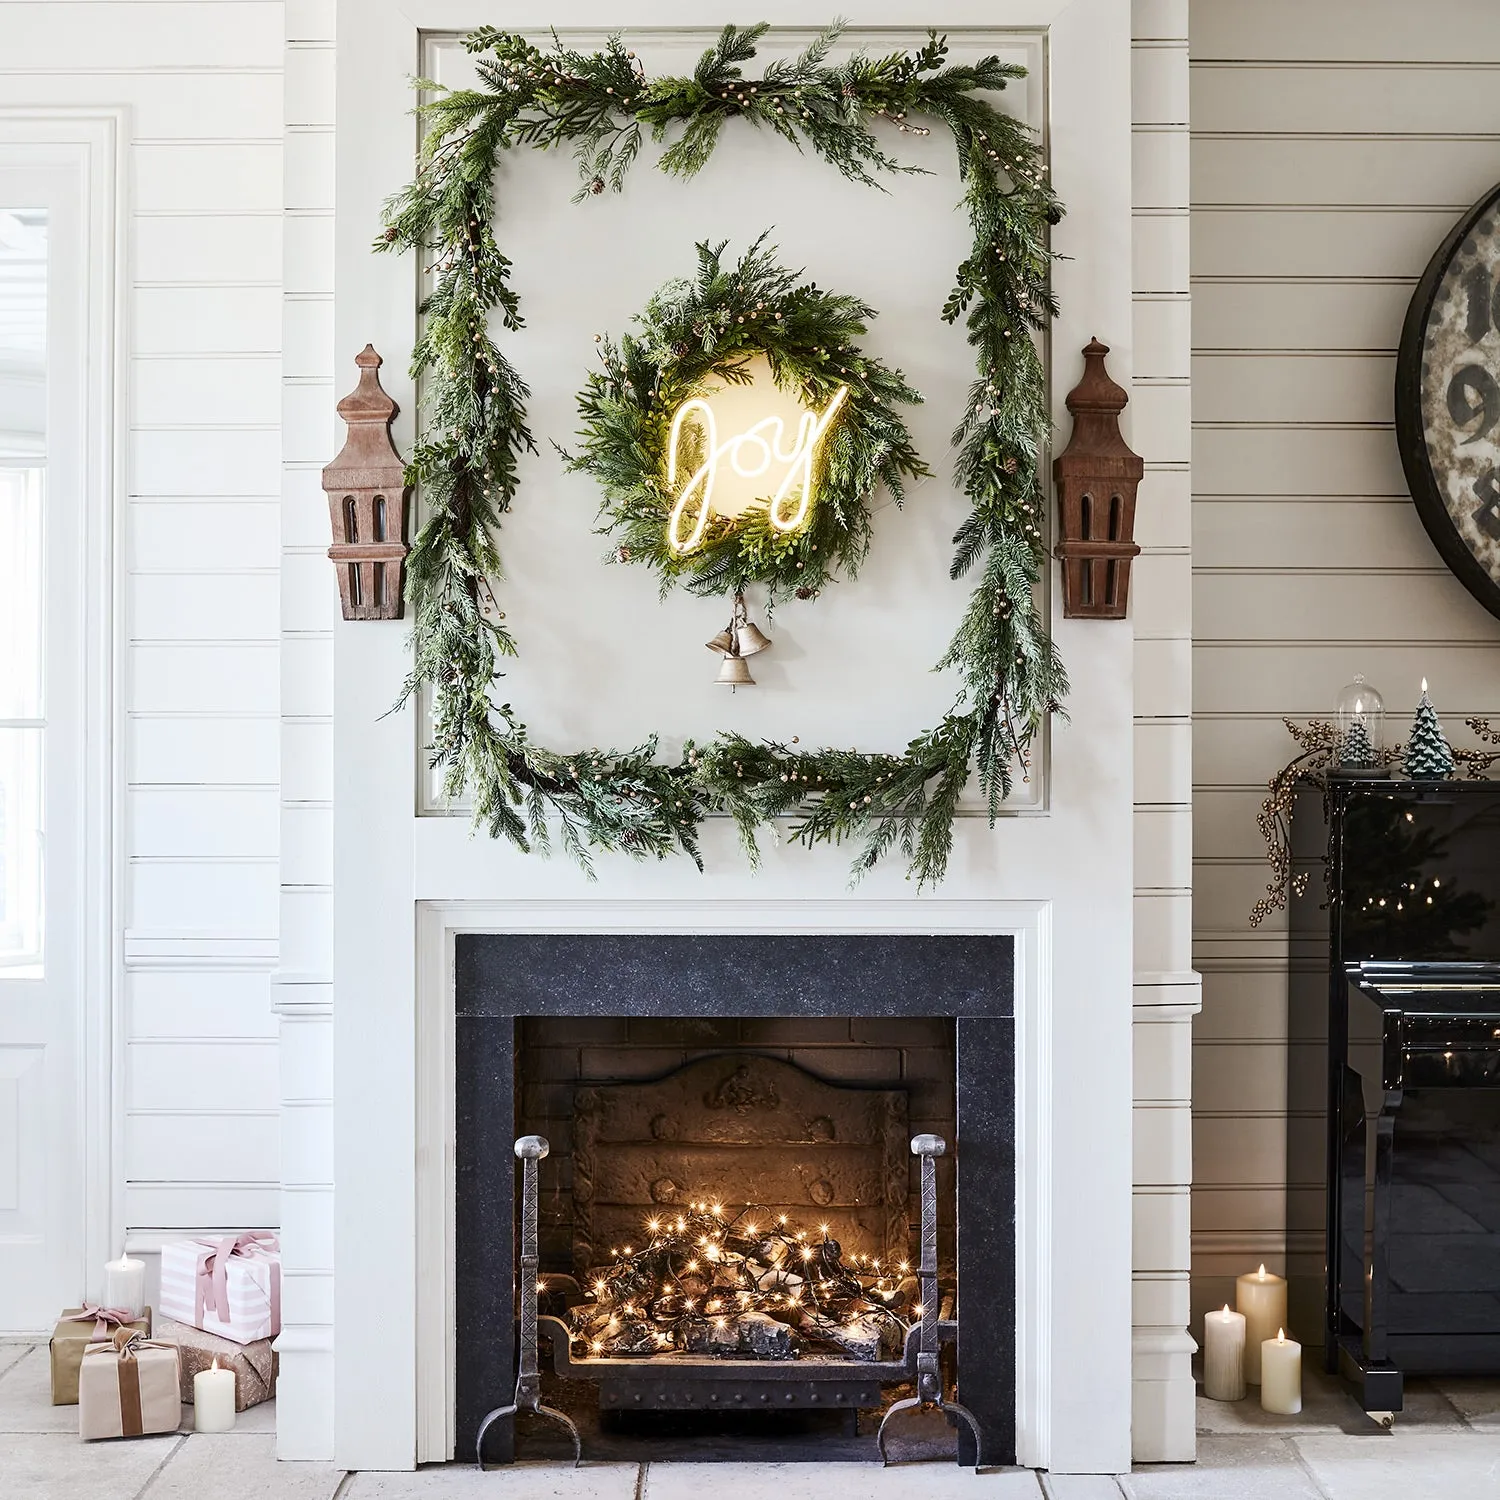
{"x": 1483, "y": 303}
{"x": 1472, "y": 393}
{"x": 1487, "y": 516}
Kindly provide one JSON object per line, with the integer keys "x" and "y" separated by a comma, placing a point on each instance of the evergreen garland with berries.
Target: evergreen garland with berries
{"x": 475, "y": 428}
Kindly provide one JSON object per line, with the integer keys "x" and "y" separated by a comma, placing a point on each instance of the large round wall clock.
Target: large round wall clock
{"x": 1448, "y": 400}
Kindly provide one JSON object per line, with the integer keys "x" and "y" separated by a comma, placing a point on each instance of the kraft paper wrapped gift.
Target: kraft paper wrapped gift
{"x": 128, "y": 1387}
{"x": 76, "y": 1330}
{"x": 229, "y": 1286}
{"x": 254, "y": 1365}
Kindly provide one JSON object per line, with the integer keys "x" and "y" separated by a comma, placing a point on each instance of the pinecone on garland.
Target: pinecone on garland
{"x": 1358, "y": 752}
{"x": 1428, "y": 756}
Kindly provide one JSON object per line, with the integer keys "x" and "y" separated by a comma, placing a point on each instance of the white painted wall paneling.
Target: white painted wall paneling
{"x": 1333, "y": 147}
{"x": 1166, "y": 994}
{"x": 1086, "y": 1429}
{"x": 202, "y": 83}
{"x": 303, "y": 989}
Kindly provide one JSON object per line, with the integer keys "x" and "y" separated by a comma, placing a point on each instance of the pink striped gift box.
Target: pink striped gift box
{"x": 229, "y": 1286}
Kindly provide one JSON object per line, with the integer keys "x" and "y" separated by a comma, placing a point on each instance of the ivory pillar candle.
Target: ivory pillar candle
{"x": 125, "y": 1285}
{"x": 1261, "y": 1296}
{"x": 1281, "y": 1375}
{"x": 213, "y": 1400}
{"x": 1224, "y": 1355}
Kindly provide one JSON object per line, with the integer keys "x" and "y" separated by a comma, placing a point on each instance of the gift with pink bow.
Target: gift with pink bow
{"x": 76, "y": 1330}
{"x": 229, "y": 1286}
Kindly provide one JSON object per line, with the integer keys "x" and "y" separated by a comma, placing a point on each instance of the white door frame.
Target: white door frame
{"x": 89, "y": 145}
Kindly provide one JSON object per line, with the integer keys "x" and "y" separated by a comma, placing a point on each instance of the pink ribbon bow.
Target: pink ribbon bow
{"x": 213, "y": 1272}
{"x": 103, "y": 1317}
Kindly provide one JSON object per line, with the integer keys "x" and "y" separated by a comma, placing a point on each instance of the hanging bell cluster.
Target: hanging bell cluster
{"x": 739, "y": 639}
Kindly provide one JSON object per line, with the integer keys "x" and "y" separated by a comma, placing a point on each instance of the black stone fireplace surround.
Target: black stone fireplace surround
{"x": 504, "y": 979}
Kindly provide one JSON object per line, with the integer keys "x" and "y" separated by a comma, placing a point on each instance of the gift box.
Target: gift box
{"x": 229, "y": 1286}
{"x": 255, "y": 1365}
{"x": 76, "y": 1330}
{"x": 128, "y": 1387}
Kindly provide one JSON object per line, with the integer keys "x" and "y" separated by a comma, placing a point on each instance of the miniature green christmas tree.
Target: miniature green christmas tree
{"x": 1428, "y": 756}
{"x": 1358, "y": 751}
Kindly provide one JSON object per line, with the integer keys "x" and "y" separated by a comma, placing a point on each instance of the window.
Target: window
{"x": 23, "y": 404}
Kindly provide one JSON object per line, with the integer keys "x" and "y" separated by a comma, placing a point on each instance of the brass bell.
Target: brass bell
{"x": 734, "y": 672}
{"x": 748, "y": 638}
{"x": 723, "y": 643}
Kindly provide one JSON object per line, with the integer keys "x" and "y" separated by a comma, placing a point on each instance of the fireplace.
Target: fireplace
{"x": 791, "y": 1070}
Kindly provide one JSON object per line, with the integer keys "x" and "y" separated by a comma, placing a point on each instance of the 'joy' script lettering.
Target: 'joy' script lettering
{"x": 749, "y": 454}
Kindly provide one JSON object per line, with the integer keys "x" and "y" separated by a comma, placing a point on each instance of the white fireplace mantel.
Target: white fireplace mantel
{"x": 439, "y": 922}
{"x": 1059, "y": 874}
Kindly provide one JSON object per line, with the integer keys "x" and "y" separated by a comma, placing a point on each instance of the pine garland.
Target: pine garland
{"x": 601, "y": 104}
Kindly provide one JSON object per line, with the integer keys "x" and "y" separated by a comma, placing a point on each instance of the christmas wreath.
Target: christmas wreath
{"x": 465, "y": 462}
{"x": 650, "y": 440}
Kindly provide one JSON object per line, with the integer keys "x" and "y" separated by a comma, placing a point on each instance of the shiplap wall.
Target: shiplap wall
{"x": 1333, "y": 146}
{"x": 1166, "y": 989}
{"x": 198, "y": 1133}
{"x": 312, "y": 381}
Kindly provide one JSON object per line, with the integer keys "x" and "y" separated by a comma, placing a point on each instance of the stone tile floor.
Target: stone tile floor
{"x": 1445, "y": 1446}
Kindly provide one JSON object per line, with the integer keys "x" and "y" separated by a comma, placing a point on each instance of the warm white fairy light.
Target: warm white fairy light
{"x": 721, "y": 1267}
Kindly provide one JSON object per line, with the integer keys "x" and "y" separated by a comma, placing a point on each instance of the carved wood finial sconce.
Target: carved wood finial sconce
{"x": 1096, "y": 476}
{"x": 367, "y": 501}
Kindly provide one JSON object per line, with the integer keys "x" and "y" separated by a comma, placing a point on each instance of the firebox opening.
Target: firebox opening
{"x": 791, "y": 1071}
{"x": 735, "y": 1188}
{"x": 559, "y": 1058}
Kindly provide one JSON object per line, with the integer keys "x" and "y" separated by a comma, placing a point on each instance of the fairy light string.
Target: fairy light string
{"x": 702, "y": 1269}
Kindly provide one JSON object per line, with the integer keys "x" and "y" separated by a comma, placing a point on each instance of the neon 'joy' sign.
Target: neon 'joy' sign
{"x": 747, "y": 453}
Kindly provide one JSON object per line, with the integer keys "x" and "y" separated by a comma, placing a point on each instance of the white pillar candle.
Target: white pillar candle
{"x": 1224, "y": 1355}
{"x": 1261, "y": 1296}
{"x": 125, "y": 1285}
{"x": 213, "y": 1400}
{"x": 1281, "y": 1375}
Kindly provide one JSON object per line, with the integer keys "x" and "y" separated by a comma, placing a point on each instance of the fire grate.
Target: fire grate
{"x": 680, "y": 1381}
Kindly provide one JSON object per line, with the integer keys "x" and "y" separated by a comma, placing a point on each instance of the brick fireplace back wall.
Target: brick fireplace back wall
{"x": 556, "y": 1054}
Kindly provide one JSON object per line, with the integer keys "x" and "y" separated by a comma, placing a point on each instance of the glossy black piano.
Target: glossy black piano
{"x": 1409, "y": 917}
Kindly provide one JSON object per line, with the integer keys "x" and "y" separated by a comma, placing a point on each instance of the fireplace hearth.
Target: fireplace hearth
{"x": 785, "y": 1072}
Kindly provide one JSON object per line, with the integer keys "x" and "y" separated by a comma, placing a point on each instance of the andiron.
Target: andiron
{"x": 929, "y": 1375}
{"x": 528, "y": 1397}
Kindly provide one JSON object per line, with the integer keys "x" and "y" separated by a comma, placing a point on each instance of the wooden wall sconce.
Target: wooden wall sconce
{"x": 367, "y": 501}
{"x": 1096, "y": 476}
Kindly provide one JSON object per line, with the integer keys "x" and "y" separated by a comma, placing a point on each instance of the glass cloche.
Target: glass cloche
{"x": 1360, "y": 719}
